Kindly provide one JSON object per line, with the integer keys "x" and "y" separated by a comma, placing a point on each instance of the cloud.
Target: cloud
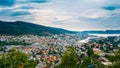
{"x": 7, "y": 2}
{"x": 13, "y": 13}
{"x": 50, "y": 16}
{"x": 39, "y": 1}
{"x": 69, "y": 14}
{"x": 5, "y": 12}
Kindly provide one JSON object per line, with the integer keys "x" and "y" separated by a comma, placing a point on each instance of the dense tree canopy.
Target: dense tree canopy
{"x": 15, "y": 59}
{"x": 90, "y": 62}
{"x": 115, "y": 59}
{"x": 69, "y": 59}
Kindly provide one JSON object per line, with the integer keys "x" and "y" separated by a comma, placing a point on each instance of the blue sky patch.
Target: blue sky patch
{"x": 20, "y": 13}
{"x": 110, "y": 8}
{"x": 7, "y": 2}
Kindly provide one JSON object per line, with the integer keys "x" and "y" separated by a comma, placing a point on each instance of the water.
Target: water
{"x": 105, "y": 35}
{"x": 98, "y": 35}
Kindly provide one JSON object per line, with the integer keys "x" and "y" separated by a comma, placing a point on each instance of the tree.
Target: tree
{"x": 14, "y": 59}
{"x": 90, "y": 52}
{"x": 91, "y": 63}
{"x": 69, "y": 59}
{"x": 115, "y": 59}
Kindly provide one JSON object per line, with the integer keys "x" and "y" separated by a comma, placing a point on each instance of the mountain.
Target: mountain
{"x": 103, "y": 32}
{"x": 25, "y": 28}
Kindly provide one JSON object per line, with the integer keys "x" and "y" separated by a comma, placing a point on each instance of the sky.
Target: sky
{"x": 78, "y": 15}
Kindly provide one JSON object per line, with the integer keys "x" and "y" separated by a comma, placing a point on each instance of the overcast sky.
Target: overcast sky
{"x": 76, "y": 15}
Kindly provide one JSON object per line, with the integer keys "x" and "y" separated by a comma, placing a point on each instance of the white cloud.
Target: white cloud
{"x": 49, "y": 16}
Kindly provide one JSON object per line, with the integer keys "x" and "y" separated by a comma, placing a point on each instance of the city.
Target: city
{"x": 47, "y": 51}
{"x": 59, "y": 34}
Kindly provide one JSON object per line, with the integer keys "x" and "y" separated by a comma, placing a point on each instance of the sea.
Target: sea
{"x": 98, "y": 35}
{"x": 104, "y": 35}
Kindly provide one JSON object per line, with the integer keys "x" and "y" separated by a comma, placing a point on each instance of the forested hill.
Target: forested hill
{"x": 25, "y": 28}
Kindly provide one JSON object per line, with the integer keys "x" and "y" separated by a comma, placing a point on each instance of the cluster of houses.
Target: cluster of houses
{"x": 45, "y": 50}
{"x": 48, "y": 50}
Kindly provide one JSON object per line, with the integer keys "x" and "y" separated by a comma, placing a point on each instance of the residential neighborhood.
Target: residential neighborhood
{"x": 47, "y": 51}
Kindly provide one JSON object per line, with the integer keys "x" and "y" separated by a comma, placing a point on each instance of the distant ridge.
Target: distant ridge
{"x": 25, "y": 28}
{"x": 102, "y": 32}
